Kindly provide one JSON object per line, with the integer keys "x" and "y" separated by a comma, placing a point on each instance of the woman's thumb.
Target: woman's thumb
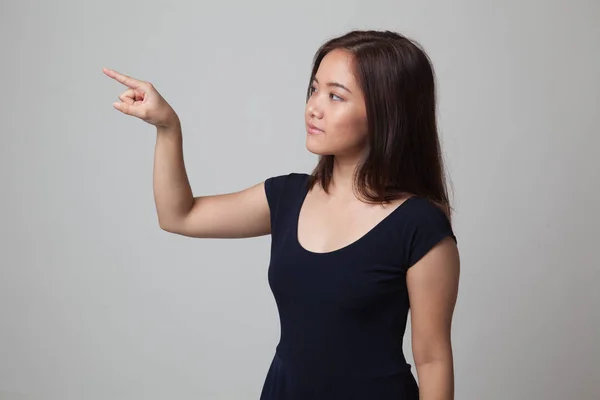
{"x": 124, "y": 108}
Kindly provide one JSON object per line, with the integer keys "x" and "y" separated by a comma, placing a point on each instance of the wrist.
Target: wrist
{"x": 171, "y": 127}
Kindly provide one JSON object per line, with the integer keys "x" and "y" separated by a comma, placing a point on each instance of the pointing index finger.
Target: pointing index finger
{"x": 124, "y": 79}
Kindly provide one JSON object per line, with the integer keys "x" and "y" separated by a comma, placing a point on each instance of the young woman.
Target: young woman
{"x": 356, "y": 243}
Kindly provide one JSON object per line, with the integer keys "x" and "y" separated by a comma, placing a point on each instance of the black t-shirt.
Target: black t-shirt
{"x": 343, "y": 313}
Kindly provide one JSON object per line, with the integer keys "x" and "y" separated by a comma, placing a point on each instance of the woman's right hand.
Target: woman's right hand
{"x": 142, "y": 100}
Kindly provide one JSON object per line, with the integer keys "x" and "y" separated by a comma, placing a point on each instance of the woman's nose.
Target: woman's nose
{"x": 314, "y": 110}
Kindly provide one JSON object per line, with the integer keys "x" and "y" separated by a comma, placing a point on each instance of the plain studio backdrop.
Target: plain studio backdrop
{"x": 96, "y": 302}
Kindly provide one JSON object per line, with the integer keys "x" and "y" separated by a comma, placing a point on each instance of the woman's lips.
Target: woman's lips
{"x": 313, "y": 130}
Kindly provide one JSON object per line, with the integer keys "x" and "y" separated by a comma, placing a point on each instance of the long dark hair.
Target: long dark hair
{"x": 398, "y": 82}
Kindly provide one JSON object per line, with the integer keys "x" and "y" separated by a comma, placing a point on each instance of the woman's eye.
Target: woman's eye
{"x": 333, "y": 96}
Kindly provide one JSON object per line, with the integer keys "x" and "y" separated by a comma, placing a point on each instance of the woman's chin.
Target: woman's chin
{"x": 315, "y": 148}
{"x": 316, "y": 152}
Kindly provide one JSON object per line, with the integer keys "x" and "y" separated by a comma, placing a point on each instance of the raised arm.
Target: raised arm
{"x": 233, "y": 215}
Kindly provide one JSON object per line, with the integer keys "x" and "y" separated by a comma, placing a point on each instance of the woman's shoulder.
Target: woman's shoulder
{"x": 291, "y": 176}
{"x": 422, "y": 224}
{"x": 287, "y": 181}
{"x": 426, "y": 217}
{"x": 422, "y": 205}
{"x": 286, "y": 186}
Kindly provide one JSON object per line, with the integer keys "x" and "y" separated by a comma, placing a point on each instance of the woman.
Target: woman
{"x": 356, "y": 242}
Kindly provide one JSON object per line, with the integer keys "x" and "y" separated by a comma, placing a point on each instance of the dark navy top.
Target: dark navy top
{"x": 343, "y": 313}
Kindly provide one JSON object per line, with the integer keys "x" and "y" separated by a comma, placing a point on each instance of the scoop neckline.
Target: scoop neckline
{"x": 350, "y": 245}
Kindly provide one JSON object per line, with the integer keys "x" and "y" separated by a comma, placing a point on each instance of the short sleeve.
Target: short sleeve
{"x": 274, "y": 187}
{"x": 282, "y": 191}
{"x": 429, "y": 226}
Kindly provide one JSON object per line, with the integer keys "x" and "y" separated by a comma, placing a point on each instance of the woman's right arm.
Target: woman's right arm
{"x": 233, "y": 215}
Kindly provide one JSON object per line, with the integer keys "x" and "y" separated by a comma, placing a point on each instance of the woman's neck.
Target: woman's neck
{"x": 342, "y": 183}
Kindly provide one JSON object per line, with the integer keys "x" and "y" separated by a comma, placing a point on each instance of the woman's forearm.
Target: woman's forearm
{"x": 172, "y": 192}
{"x": 436, "y": 380}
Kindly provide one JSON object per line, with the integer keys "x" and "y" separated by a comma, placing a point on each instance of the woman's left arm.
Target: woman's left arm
{"x": 433, "y": 288}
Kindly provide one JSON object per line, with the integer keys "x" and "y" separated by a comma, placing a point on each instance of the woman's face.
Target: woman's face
{"x": 336, "y": 108}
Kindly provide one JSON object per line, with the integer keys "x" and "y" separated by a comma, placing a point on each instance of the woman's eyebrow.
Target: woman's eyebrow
{"x": 336, "y": 84}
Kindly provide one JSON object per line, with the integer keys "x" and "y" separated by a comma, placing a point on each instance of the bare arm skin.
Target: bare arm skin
{"x": 233, "y": 215}
{"x": 433, "y": 289}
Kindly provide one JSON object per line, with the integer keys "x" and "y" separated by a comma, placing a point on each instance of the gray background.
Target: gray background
{"x": 96, "y": 302}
